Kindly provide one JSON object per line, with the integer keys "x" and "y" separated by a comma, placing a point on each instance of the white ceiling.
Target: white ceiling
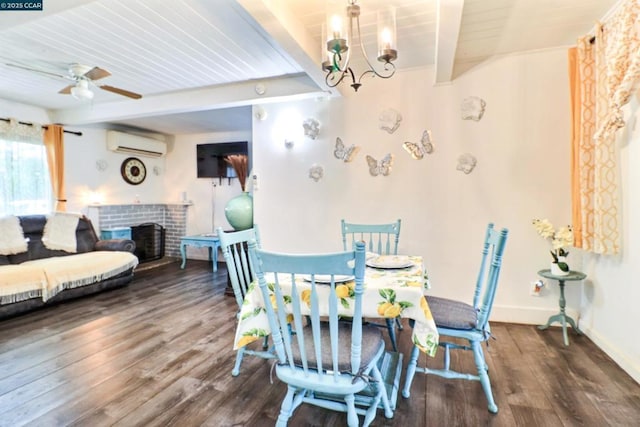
{"x": 197, "y": 62}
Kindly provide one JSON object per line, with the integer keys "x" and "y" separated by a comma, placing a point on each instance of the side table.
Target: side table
{"x": 561, "y": 317}
{"x": 210, "y": 241}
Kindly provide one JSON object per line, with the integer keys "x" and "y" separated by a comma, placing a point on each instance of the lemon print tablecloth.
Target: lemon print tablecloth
{"x": 387, "y": 293}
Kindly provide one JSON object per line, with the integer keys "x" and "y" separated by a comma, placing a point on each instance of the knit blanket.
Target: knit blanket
{"x": 19, "y": 283}
{"x": 73, "y": 271}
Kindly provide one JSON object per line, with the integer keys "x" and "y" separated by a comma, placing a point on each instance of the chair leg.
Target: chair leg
{"x": 236, "y": 369}
{"x": 352, "y": 416}
{"x": 382, "y": 394}
{"x": 411, "y": 371}
{"x": 391, "y": 327}
{"x": 265, "y": 343}
{"x": 286, "y": 408}
{"x": 399, "y": 324}
{"x": 478, "y": 355}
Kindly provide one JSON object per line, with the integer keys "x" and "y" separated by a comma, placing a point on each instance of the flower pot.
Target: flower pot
{"x": 555, "y": 268}
{"x": 239, "y": 211}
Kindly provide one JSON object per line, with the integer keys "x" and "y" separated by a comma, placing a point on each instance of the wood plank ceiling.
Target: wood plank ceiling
{"x": 197, "y": 56}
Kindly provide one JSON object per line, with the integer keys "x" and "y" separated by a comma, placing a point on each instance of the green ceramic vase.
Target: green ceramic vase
{"x": 239, "y": 211}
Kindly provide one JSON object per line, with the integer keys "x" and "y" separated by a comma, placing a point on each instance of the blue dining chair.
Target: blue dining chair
{"x": 383, "y": 240}
{"x": 235, "y": 251}
{"x": 380, "y": 238}
{"x": 324, "y": 362}
{"x": 455, "y": 319}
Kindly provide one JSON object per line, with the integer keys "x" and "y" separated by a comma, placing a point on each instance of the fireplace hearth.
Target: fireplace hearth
{"x": 150, "y": 239}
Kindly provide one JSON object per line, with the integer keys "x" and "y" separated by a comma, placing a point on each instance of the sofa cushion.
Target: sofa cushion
{"x": 60, "y": 232}
{"x": 20, "y": 282}
{"x": 72, "y": 271}
{"x": 12, "y": 239}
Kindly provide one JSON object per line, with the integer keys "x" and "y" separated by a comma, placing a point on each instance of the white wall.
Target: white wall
{"x": 86, "y": 184}
{"x": 522, "y": 147}
{"x": 208, "y": 195}
{"x": 612, "y": 289}
{"x": 22, "y": 112}
{"x": 523, "y": 151}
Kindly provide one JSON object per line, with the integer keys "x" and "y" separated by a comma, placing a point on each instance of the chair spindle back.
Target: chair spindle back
{"x": 487, "y": 282}
{"x": 303, "y": 352}
{"x": 236, "y": 255}
{"x": 380, "y": 238}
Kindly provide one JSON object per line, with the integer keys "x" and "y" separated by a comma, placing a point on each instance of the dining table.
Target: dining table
{"x": 393, "y": 286}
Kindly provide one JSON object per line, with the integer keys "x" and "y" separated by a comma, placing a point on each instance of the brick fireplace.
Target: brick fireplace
{"x": 171, "y": 216}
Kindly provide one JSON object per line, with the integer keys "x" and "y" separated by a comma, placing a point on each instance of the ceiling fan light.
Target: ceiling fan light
{"x": 81, "y": 91}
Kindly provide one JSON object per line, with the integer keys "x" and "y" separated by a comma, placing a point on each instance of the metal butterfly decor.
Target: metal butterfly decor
{"x": 346, "y": 154}
{"x": 381, "y": 167}
{"x": 418, "y": 151}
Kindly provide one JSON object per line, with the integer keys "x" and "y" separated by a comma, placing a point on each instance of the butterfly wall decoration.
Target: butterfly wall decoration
{"x": 380, "y": 167}
{"x": 418, "y": 151}
{"x": 346, "y": 154}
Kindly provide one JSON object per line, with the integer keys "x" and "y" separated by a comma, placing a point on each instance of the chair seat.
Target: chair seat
{"x": 372, "y": 342}
{"x": 452, "y": 314}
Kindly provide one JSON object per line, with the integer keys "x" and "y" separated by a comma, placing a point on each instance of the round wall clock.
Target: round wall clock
{"x": 133, "y": 171}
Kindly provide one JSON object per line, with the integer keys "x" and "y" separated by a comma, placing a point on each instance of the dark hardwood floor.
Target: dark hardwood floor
{"x": 158, "y": 353}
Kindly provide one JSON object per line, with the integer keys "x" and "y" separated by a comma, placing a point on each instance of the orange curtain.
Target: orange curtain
{"x": 576, "y": 120}
{"x": 54, "y": 143}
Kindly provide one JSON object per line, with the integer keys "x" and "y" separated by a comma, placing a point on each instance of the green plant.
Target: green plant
{"x": 559, "y": 239}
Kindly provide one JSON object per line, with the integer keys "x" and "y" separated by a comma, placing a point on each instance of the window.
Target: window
{"x": 25, "y": 186}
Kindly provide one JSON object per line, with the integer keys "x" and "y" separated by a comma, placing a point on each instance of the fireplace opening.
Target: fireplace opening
{"x": 149, "y": 238}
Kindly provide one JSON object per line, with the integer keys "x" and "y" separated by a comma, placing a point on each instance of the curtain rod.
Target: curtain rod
{"x": 44, "y": 126}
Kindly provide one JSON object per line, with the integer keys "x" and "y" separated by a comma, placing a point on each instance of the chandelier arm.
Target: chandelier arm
{"x": 366, "y": 58}
{"x": 331, "y": 76}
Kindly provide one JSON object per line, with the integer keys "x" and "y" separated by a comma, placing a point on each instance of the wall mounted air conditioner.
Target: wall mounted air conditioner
{"x": 127, "y": 143}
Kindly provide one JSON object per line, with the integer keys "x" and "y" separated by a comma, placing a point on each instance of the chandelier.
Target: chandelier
{"x": 340, "y": 45}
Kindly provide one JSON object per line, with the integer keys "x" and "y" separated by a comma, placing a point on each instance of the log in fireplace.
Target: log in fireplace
{"x": 149, "y": 238}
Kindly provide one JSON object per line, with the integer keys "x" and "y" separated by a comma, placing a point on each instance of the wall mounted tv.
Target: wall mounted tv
{"x": 210, "y": 158}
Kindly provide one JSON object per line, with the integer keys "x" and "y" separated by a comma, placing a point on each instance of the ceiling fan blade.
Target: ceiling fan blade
{"x": 48, "y": 73}
{"x": 66, "y": 90}
{"x": 120, "y": 91}
{"x": 97, "y": 73}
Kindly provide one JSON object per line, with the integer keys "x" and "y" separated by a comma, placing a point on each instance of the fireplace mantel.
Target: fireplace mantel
{"x": 101, "y": 205}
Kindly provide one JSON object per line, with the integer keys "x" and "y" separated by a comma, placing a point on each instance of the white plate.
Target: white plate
{"x": 326, "y": 278}
{"x": 390, "y": 261}
{"x": 370, "y": 255}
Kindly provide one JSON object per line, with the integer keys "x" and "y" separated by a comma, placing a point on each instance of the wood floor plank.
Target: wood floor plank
{"x": 158, "y": 353}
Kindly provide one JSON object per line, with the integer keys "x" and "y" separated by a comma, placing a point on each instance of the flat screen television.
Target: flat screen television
{"x": 210, "y": 158}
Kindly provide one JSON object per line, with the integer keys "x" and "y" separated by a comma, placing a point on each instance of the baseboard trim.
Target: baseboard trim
{"x": 630, "y": 366}
{"x": 527, "y": 315}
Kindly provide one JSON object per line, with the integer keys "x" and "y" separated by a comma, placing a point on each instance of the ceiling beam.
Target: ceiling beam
{"x": 290, "y": 34}
{"x": 449, "y": 19}
{"x": 207, "y": 98}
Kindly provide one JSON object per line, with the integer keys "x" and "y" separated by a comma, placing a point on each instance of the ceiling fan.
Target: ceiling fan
{"x": 83, "y": 77}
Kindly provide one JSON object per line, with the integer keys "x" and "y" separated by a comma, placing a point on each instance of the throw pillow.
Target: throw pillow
{"x": 12, "y": 239}
{"x": 60, "y": 232}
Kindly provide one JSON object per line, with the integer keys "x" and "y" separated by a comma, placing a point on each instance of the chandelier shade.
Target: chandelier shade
{"x": 341, "y": 38}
